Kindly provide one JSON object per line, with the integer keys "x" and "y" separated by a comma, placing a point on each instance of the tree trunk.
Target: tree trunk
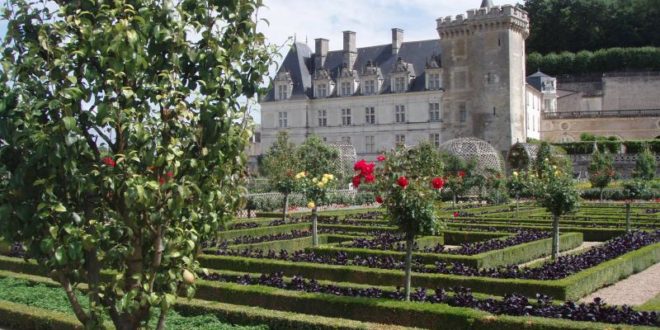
{"x": 555, "y": 237}
{"x": 517, "y": 202}
{"x": 285, "y": 210}
{"x": 453, "y": 202}
{"x": 628, "y": 229}
{"x": 601, "y": 195}
{"x": 409, "y": 249}
{"x": 315, "y": 235}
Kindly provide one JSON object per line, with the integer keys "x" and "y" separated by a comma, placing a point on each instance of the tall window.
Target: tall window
{"x": 434, "y": 111}
{"x": 370, "y": 115}
{"x": 323, "y": 90}
{"x": 400, "y": 114}
{"x": 434, "y": 81}
{"x": 369, "y": 87}
{"x": 400, "y": 139}
{"x": 323, "y": 118}
{"x": 346, "y": 140}
{"x": 434, "y": 139}
{"x": 462, "y": 113}
{"x": 346, "y": 88}
{"x": 400, "y": 84}
{"x": 283, "y": 119}
{"x": 283, "y": 92}
{"x": 369, "y": 144}
{"x": 346, "y": 117}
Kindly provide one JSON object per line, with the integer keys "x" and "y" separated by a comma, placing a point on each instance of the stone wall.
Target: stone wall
{"x": 624, "y": 164}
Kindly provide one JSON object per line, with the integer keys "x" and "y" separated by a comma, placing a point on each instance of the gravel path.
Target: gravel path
{"x": 634, "y": 290}
{"x": 581, "y": 248}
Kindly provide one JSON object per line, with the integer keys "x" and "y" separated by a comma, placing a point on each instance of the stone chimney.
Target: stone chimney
{"x": 350, "y": 49}
{"x": 397, "y": 40}
{"x": 321, "y": 52}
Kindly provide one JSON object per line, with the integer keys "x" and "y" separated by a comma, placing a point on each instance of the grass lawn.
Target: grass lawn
{"x": 651, "y": 305}
{"x": 52, "y": 298}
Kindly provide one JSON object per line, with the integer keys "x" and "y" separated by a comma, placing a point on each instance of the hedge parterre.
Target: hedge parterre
{"x": 558, "y": 269}
{"x": 511, "y": 304}
{"x": 389, "y": 241}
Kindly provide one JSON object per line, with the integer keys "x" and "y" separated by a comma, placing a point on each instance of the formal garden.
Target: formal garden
{"x": 125, "y": 201}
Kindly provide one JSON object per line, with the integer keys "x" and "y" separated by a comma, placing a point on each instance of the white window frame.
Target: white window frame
{"x": 400, "y": 114}
{"x": 346, "y": 117}
{"x": 400, "y": 139}
{"x": 283, "y": 119}
{"x": 434, "y": 112}
{"x": 369, "y": 144}
{"x": 370, "y": 115}
{"x": 434, "y": 139}
{"x": 323, "y": 118}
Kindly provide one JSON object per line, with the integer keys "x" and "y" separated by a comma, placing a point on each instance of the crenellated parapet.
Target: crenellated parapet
{"x": 484, "y": 19}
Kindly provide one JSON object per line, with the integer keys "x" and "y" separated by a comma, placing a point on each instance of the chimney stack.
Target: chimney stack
{"x": 321, "y": 52}
{"x": 350, "y": 49}
{"x": 397, "y": 40}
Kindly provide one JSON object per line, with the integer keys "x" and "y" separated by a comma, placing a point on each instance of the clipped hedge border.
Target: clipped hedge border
{"x": 589, "y": 234}
{"x": 262, "y": 231}
{"x": 414, "y": 314}
{"x": 572, "y": 287}
{"x": 457, "y": 237}
{"x": 357, "y": 229}
{"x": 294, "y": 244}
{"x": 27, "y": 317}
{"x": 24, "y": 317}
{"x": 511, "y": 255}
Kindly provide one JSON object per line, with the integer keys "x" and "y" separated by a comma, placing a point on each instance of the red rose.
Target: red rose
{"x": 381, "y": 158}
{"x": 109, "y": 161}
{"x": 369, "y": 178}
{"x": 437, "y": 183}
{"x": 402, "y": 181}
{"x": 170, "y": 174}
{"x": 455, "y": 214}
{"x": 161, "y": 180}
{"x": 360, "y": 165}
{"x": 356, "y": 181}
{"x": 379, "y": 200}
{"x": 461, "y": 173}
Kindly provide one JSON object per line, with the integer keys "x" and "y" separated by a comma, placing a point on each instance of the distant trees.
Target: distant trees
{"x": 575, "y": 25}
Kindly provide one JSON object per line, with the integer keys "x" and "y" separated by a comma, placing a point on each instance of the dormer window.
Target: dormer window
{"x": 347, "y": 81}
{"x": 323, "y": 84}
{"x": 433, "y": 73}
{"x": 402, "y": 75}
{"x": 369, "y": 87}
{"x": 346, "y": 89}
{"x": 282, "y": 92}
{"x": 400, "y": 85}
{"x": 283, "y": 86}
{"x": 372, "y": 79}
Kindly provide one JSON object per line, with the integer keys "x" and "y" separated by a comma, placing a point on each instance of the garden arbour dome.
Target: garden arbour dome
{"x": 470, "y": 148}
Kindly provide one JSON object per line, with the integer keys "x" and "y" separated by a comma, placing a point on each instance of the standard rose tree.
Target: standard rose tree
{"x": 123, "y": 130}
{"x": 315, "y": 190}
{"x": 406, "y": 192}
{"x": 601, "y": 170}
{"x": 279, "y": 165}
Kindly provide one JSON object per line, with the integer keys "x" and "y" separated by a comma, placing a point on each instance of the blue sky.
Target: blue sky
{"x": 371, "y": 20}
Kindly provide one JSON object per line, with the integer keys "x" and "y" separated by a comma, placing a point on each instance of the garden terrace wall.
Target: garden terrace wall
{"x": 262, "y": 231}
{"x": 508, "y": 256}
{"x": 571, "y": 287}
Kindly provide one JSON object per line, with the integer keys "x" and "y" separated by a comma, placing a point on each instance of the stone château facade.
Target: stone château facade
{"x": 470, "y": 82}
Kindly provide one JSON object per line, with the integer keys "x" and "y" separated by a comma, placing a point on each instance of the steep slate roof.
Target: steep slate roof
{"x": 536, "y": 80}
{"x": 299, "y": 62}
{"x": 486, "y": 3}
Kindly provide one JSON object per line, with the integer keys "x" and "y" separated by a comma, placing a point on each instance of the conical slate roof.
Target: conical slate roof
{"x": 486, "y": 3}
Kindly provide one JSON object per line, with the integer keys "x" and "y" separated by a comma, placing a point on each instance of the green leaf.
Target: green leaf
{"x": 69, "y": 123}
{"x": 59, "y": 208}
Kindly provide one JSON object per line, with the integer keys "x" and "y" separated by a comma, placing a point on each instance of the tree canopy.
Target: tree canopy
{"x": 122, "y": 142}
{"x": 575, "y": 25}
